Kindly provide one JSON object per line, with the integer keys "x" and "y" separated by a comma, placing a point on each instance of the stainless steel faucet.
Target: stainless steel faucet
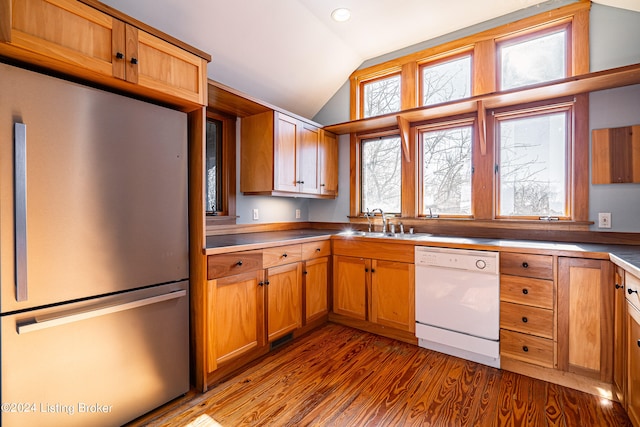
{"x": 384, "y": 218}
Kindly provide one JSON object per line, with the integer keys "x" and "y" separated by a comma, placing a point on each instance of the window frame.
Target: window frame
{"x": 533, "y": 33}
{"x": 363, "y": 83}
{"x": 227, "y": 214}
{"x": 484, "y": 82}
{"x": 440, "y": 60}
{"x": 469, "y": 121}
{"x": 532, "y": 110}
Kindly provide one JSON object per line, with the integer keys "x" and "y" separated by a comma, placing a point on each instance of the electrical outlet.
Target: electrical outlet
{"x": 297, "y": 213}
{"x": 255, "y": 215}
{"x": 604, "y": 220}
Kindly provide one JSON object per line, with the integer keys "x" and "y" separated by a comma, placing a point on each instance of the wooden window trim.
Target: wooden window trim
{"x": 484, "y": 59}
{"x": 439, "y": 60}
{"x": 530, "y": 34}
{"x": 484, "y": 81}
{"x": 226, "y": 215}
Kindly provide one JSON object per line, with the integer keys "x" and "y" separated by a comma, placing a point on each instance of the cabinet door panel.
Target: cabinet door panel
{"x": 393, "y": 295}
{"x": 64, "y": 30}
{"x": 235, "y": 306}
{"x": 349, "y": 286}
{"x": 284, "y": 300}
{"x": 169, "y": 69}
{"x": 633, "y": 364}
{"x": 285, "y": 167}
{"x": 308, "y": 159}
{"x": 315, "y": 288}
{"x": 585, "y": 317}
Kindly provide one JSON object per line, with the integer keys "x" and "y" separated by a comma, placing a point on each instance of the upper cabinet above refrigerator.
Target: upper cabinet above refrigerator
{"x": 84, "y": 42}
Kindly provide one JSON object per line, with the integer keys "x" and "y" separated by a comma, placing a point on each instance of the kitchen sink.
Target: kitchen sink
{"x": 381, "y": 235}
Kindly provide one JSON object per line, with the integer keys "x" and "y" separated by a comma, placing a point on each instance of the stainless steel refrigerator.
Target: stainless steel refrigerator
{"x": 93, "y": 251}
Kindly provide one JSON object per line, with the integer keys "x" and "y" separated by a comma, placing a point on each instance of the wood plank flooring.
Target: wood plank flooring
{"x": 338, "y": 376}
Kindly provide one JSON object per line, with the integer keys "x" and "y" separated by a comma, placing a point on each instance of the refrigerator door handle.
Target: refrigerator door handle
{"x": 53, "y": 321}
{"x": 20, "y": 209}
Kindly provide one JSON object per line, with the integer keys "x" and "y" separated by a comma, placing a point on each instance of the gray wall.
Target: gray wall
{"x": 615, "y": 41}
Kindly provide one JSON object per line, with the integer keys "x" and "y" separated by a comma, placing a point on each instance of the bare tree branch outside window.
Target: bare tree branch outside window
{"x": 382, "y": 96}
{"x": 446, "y": 81}
{"x": 380, "y": 174}
{"x": 532, "y": 171}
{"x": 447, "y": 170}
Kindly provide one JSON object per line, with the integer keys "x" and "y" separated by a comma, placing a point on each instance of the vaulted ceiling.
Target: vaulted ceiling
{"x": 290, "y": 53}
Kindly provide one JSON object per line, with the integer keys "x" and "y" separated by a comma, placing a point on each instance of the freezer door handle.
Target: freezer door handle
{"x": 53, "y": 321}
{"x": 20, "y": 209}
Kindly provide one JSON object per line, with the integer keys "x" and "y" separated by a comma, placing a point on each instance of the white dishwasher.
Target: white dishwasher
{"x": 458, "y": 303}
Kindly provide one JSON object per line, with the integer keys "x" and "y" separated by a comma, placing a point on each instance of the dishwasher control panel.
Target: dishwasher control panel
{"x": 461, "y": 259}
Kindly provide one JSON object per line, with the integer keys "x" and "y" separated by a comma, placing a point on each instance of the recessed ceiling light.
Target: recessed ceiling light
{"x": 340, "y": 15}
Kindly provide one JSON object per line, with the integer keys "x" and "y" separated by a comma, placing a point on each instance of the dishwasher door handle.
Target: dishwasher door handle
{"x": 50, "y": 322}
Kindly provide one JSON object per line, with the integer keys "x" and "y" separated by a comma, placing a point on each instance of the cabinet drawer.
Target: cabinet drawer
{"x": 526, "y": 319}
{"x": 281, "y": 255}
{"x": 527, "y": 348}
{"x": 223, "y": 265}
{"x": 316, "y": 249}
{"x": 540, "y": 266}
{"x": 526, "y": 290}
{"x": 632, "y": 285}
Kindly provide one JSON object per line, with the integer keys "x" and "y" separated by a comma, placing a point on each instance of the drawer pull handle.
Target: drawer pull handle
{"x": 318, "y": 249}
{"x": 619, "y": 286}
{"x": 525, "y": 348}
{"x": 631, "y": 291}
{"x": 525, "y": 291}
{"x": 524, "y": 319}
{"x": 239, "y": 263}
{"x": 525, "y": 265}
{"x": 284, "y": 255}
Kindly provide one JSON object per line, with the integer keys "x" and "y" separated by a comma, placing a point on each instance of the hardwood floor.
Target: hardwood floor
{"x": 337, "y": 376}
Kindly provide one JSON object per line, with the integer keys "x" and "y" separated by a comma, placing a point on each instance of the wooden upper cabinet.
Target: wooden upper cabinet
{"x": 615, "y": 155}
{"x": 328, "y": 164}
{"x": 281, "y": 156}
{"x": 76, "y": 39}
{"x": 585, "y": 317}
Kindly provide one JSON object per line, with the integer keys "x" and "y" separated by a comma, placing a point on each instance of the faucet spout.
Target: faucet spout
{"x": 384, "y": 218}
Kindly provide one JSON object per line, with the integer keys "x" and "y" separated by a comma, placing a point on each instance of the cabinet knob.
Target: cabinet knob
{"x": 239, "y": 263}
{"x": 631, "y": 291}
{"x": 525, "y": 264}
{"x": 284, "y": 255}
{"x": 619, "y": 286}
{"x": 322, "y": 185}
{"x": 119, "y": 55}
{"x": 305, "y": 272}
{"x": 261, "y": 283}
{"x": 318, "y": 249}
{"x": 524, "y": 319}
{"x": 525, "y": 348}
{"x": 134, "y": 60}
{"x": 266, "y": 282}
{"x": 525, "y": 291}
{"x": 372, "y": 270}
{"x": 638, "y": 343}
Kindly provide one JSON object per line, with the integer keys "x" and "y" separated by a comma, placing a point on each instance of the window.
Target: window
{"x": 532, "y": 164}
{"x": 381, "y": 174}
{"x": 446, "y": 81}
{"x": 220, "y": 168}
{"x": 381, "y": 96}
{"x": 213, "y": 167}
{"x": 446, "y": 170}
{"x": 533, "y": 59}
